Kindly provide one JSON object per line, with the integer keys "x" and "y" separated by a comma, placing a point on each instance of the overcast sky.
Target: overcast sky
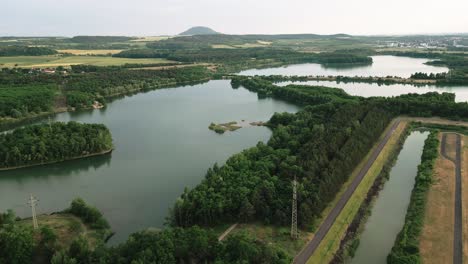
{"x": 169, "y": 17}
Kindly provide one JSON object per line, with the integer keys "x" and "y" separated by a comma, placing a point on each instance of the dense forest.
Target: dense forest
{"x": 19, "y": 243}
{"x": 46, "y": 143}
{"x": 319, "y": 145}
{"x": 18, "y": 102}
{"x": 25, "y": 51}
{"x": 82, "y": 89}
{"x": 24, "y": 93}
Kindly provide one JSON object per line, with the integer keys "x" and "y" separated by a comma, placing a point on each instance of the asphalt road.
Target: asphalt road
{"x": 458, "y": 224}
{"x": 312, "y": 245}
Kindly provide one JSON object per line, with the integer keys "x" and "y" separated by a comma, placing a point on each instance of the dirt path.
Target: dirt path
{"x": 458, "y": 221}
{"x": 312, "y": 245}
{"x": 458, "y": 225}
{"x": 226, "y": 233}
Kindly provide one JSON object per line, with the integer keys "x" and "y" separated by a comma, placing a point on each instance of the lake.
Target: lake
{"x": 162, "y": 145}
{"x": 382, "y": 66}
{"x": 374, "y": 89}
{"x": 389, "y": 211}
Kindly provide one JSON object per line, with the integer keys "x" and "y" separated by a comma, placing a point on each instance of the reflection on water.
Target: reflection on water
{"x": 162, "y": 145}
{"x": 382, "y": 66}
{"x": 388, "y": 212}
{"x": 388, "y": 90}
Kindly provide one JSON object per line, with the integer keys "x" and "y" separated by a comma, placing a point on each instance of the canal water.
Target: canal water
{"x": 382, "y": 66}
{"x": 389, "y": 211}
{"x": 162, "y": 145}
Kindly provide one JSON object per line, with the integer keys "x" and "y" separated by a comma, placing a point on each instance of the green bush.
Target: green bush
{"x": 90, "y": 215}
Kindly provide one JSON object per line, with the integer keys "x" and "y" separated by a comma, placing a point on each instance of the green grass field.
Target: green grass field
{"x": 54, "y": 61}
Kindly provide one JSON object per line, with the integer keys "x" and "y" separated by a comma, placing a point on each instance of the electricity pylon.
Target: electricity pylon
{"x": 294, "y": 233}
{"x": 32, "y": 202}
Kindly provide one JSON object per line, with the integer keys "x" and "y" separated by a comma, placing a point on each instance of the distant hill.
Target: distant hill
{"x": 198, "y": 31}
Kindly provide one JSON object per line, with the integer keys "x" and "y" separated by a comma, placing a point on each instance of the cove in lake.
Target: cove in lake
{"x": 374, "y": 89}
{"x": 389, "y": 211}
{"x": 162, "y": 145}
{"x": 382, "y": 66}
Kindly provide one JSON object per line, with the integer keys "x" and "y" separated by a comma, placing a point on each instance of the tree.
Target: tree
{"x": 16, "y": 244}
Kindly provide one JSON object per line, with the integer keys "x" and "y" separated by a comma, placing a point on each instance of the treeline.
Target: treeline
{"x": 299, "y": 94}
{"x": 23, "y": 101}
{"x": 47, "y": 143}
{"x": 24, "y": 93}
{"x": 431, "y": 76}
{"x": 25, "y": 51}
{"x": 99, "y": 39}
{"x": 177, "y": 245}
{"x": 406, "y": 247}
{"x": 456, "y": 62}
{"x": 83, "y": 89}
{"x": 19, "y": 243}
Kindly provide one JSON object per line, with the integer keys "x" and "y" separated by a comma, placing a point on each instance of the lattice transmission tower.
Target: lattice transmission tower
{"x": 294, "y": 233}
{"x": 33, "y": 202}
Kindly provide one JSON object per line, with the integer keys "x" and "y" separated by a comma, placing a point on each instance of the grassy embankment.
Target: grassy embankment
{"x": 55, "y": 61}
{"x": 465, "y": 195}
{"x": 436, "y": 242}
{"x": 331, "y": 243}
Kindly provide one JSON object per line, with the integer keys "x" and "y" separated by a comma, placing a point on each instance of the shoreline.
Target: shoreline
{"x": 109, "y": 151}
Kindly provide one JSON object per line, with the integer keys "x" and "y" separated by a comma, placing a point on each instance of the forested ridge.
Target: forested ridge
{"x": 82, "y": 89}
{"x": 46, "y": 143}
{"x": 320, "y": 145}
{"x": 25, "y": 51}
{"x": 25, "y": 94}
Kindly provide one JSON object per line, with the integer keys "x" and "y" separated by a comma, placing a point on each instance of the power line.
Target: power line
{"x": 33, "y": 202}
{"x": 294, "y": 233}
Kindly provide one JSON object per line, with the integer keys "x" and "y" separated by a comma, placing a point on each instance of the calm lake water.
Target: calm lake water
{"x": 382, "y": 66}
{"x": 388, "y": 213}
{"x": 162, "y": 144}
{"x": 374, "y": 89}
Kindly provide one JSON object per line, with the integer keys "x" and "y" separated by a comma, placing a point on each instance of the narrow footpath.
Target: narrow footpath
{"x": 458, "y": 224}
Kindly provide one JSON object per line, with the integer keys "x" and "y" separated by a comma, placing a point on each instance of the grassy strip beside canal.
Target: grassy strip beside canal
{"x": 331, "y": 243}
{"x": 436, "y": 242}
{"x": 406, "y": 247}
{"x": 465, "y": 194}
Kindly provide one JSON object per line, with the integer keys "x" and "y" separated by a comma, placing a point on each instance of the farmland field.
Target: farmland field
{"x": 54, "y": 61}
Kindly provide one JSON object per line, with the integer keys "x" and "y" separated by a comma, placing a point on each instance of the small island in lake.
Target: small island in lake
{"x": 233, "y": 126}
{"x": 221, "y": 128}
{"x": 51, "y": 143}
